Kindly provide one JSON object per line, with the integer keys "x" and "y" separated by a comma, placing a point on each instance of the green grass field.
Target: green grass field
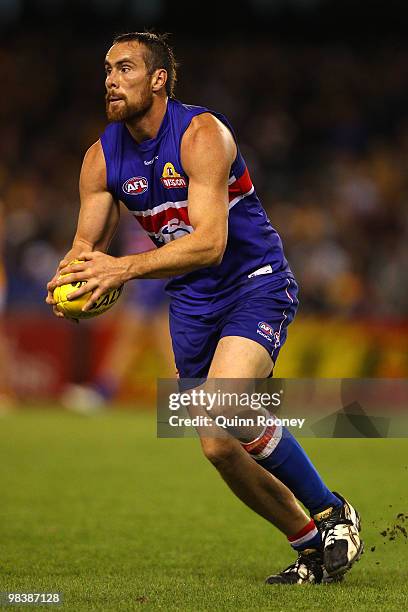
{"x": 101, "y": 510}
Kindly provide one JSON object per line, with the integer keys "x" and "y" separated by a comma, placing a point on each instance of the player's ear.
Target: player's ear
{"x": 159, "y": 79}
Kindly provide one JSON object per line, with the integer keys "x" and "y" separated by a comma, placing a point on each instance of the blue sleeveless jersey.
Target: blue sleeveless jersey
{"x": 150, "y": 180}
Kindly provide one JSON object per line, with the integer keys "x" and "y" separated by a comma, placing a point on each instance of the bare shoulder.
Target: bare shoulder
{"x": 207, "y": 136}
{"x": 94, "y": 156}
{"x": 93, "y": 172}
{"x": 206, "y": 127}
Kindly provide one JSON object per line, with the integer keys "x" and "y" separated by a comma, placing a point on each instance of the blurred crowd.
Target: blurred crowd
{"x": 324, "y": 131}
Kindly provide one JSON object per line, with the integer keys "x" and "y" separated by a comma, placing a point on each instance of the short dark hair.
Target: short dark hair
{"x": 159, "y": 55}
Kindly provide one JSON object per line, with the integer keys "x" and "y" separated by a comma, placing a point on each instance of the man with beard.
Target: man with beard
{"x": 179, "y": 171}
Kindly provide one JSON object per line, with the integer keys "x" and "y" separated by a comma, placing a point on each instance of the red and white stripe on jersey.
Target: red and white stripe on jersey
{"x": 239, "y": 188}
{"x": 307, "y": 533}
{"x": 169, "y": 220}
{"x": 166, "y": 221}
{"x": 153, "y": 219}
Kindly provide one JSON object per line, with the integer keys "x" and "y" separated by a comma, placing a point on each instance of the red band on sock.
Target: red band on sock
{"x": 304, "y": 531}
{"x": 258, "y": 445}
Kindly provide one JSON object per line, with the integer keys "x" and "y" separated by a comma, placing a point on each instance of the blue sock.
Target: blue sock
{"x": 290, "y": 464}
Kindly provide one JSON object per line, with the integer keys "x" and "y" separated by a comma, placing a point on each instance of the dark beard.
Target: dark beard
{"x": 130, "y": 112}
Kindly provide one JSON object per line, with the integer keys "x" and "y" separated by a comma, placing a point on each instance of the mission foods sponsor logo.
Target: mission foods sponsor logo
{"x": 172, "y": 179}
{"x": 135, "y": 185}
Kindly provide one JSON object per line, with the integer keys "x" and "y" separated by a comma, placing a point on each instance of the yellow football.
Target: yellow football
{"x": 73, "y": 308}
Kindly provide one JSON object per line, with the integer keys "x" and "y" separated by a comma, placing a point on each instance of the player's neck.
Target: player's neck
{"x": 148, "y": 126}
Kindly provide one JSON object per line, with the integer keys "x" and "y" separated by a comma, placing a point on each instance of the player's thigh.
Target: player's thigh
{"x": 238, "y": 357}
{"x": 237, "y": 364}
{"x": 254, "y": 331}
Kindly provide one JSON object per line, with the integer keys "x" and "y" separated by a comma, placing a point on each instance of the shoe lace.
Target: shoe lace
{"x": 309, "y": 561}
{"x": 327, "y": 526}
{"x": 335, "y": 518}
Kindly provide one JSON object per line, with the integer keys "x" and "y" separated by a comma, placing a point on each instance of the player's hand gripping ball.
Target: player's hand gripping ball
{"x": 73, "y": 308}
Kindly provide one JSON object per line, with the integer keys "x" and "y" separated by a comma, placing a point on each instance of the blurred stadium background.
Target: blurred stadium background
{"x": 317, "y": 91}
{"x": 100, "y": 509}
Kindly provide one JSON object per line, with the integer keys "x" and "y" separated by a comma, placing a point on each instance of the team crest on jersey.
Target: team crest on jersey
{"x": 135, "y": 185}
{"x": 172, "y": 179}
{"x": 175, "y": 228}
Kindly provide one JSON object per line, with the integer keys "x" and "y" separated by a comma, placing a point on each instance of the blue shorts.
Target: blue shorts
{"x": 262, "y": 316}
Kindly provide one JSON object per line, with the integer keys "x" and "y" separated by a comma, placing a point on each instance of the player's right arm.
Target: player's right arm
{"x": 98, "y": 215}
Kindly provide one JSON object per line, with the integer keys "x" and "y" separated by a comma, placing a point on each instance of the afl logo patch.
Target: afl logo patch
{"x": 135, "y": 185}
{"x": 267, "y": 329}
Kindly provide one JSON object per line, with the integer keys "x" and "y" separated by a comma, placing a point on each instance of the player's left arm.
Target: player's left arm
{"x": 207, "y": 152}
